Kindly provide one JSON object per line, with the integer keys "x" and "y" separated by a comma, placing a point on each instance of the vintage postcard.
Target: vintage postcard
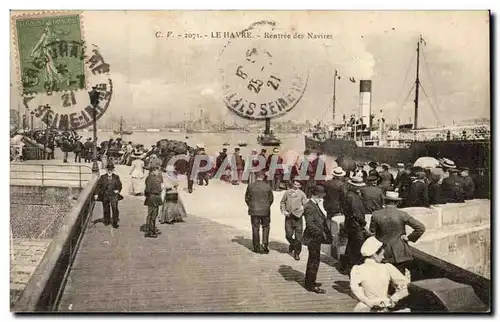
{"x": 250, "y": 161}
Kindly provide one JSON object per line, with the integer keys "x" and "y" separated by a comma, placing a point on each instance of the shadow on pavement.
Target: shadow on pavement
{"x": 343, "y": 287}
{"x": 283, "y": 248}
{"x": 292, "y": 275}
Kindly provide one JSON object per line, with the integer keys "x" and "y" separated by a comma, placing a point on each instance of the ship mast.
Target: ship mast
{"x": 121, "y": 124}
{"x": 334, "y": 96}
{"x": 417, "y": 84}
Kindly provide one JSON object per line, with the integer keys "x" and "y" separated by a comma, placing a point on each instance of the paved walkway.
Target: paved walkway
{"x": 202, "y": 265}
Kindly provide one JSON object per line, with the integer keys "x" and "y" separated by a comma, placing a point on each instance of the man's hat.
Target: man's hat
{"x": 447, "y": 163}
{"x": 200, "y": 146}
{"x": 338, "y": 172}
{"x": 392, "y": 195}
{"x": 110, "y": 166}
{"x": 400, "y": 164}
{"x": 88, "y": 139}
{"x": 236, "y": 149}
{"x": 370, "y": 246}
{"x": 385, "y": 165}
{"x": 373, "y": 164}
{"x": 371, "y": 179}
{"x": 357, "y": 181}
{"x": 318, "y": 190}
{"x": 224, "y": 149}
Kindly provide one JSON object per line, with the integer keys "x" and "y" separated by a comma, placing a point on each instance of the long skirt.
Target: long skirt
{"x": 137, "y": 186}
{"x": 172, "y": 210}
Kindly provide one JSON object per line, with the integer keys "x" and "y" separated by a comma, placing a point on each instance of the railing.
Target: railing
{"x": 53, "y": 175}
{"x": 45, "y": 287}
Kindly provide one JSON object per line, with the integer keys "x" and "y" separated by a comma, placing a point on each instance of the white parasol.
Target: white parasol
{"x": 426, "y": 162}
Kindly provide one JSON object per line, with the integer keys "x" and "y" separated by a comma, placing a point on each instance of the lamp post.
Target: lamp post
{"x": 47, "y": 109}
{"x": 32, "y": 115}
{"x": 94, "y": 101}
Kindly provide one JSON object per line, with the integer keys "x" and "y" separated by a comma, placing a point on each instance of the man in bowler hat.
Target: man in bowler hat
{"x": 315, "y": 234}
{"x": 108, "y": 191}
{"x": 154, "y": 183}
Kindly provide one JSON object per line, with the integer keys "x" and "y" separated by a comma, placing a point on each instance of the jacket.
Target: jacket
{"x": 335, "y": 193}
{"x": 153, "y": 190}
{"x": 418, "y": 195}
{"x": 388, "y": 225}
{"x": 452, "y": 189}
{"x": 105, "y": 188}
{"x": 373, "y": 198}
{"x": 259, "y": 198}
{"x": 317, "y": 230}
{"x": 469, "y": 188}
{"x": 293, "y": 202}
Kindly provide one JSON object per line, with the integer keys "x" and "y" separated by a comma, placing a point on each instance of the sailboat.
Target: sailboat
{"x": 121, "y": 131}
{"x": 356, "y": 138}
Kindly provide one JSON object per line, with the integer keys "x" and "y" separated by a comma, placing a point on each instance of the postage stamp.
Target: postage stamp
{"x": 57, "y": 69}
{"x": 50, "y": 53}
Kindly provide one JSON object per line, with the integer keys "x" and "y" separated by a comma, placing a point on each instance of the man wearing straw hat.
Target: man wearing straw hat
{"x": 335, "y": 191}
{"x": 389, "y": 226}
{"x": 355, "y": 222}
{"x": 370, "y": 280}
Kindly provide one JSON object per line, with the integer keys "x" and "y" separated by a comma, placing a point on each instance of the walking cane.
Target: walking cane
{"x": 91, "y": 211}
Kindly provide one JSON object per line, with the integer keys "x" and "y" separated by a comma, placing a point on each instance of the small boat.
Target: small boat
{"x": 121, "y": 131}
{"x": 153, "y": 130}
{"x": 226, "y": 144}
{"x": 268, "y": 140}
{"x": 242, "y": 144}
{"x": 186, "y": 137}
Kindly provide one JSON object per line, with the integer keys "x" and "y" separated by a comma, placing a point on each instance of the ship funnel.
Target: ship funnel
{"x": 365, "y": 101}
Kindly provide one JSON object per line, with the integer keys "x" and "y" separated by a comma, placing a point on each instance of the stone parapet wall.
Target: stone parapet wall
{"x": 456, "y": 233}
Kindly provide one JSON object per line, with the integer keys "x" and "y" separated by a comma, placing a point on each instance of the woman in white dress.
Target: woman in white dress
{"x": 137, "y": 174}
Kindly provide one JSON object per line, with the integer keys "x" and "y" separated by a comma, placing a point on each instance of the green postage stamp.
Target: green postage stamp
{"x": 50, "y": 53}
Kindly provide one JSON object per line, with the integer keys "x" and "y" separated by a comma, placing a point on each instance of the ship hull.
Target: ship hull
{"x": 472, "y": 154}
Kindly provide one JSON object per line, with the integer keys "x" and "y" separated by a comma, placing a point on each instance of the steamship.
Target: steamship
{"x": 359, "y": 140}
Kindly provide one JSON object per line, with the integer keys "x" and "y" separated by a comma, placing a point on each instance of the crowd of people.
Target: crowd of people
{"x": 381, "y": 247}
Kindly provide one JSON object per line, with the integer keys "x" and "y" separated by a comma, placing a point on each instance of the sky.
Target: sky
{"x": 157, "y": 80}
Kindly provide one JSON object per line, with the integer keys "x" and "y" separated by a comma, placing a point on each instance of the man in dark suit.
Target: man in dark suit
{"x": 108, "y": 191}
{"x": 259, "y": 198}
{"x": 315, "y": 234}
{"x": 453, "y": 187}
{"x": 389, "y": 226}
{"x": 372, "y": 195}
{"x": 419, "y": 193}
{"x": 335, "y": 192}
{"x": 153, "y": 200}
{"x": 469, "y": 188}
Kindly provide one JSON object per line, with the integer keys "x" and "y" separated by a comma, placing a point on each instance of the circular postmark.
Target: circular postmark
{"x": 261, "y": 78}
{"x": 58, "y": 69}
{"x": 66, "y": 93}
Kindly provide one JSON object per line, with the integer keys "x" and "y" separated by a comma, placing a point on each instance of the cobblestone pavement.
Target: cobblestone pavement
{"x": 26, "y": 255}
